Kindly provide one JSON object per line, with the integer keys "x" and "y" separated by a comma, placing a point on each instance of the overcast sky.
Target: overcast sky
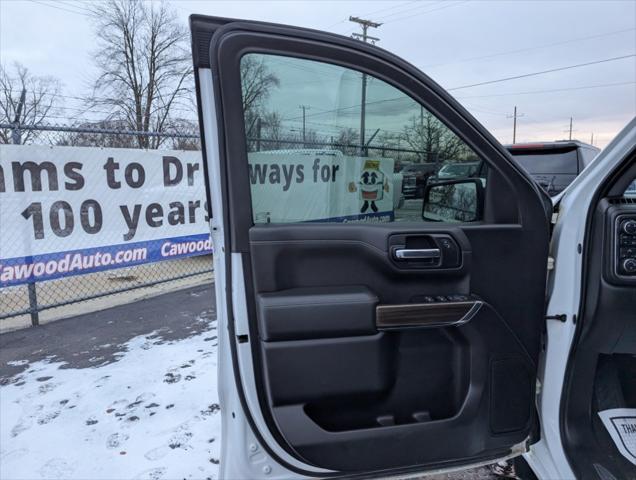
{"x": 456, "y": 42}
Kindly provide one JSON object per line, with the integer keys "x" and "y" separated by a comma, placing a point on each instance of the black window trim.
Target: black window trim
{"x": 234, "y": 41}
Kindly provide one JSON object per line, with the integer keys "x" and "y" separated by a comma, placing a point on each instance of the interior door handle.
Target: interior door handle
{"x": 416, "y": 253}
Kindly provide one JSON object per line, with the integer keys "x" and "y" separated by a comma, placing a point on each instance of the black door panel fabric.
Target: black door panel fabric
{"x": 336, "y": 391}
{"x": 363, "y": 399}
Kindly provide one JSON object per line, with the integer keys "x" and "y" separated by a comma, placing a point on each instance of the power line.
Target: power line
{"x": 447, "y": 5}
{"x": 481, "y": 109}
{"x": 77, "y": 5}
{"x": 527, "y": 49}
{"x": 40, "y": 2}
{"x": 367, "y": 14}
{"x": 404, "y": 4}
{"x": 535, "y": 92}
{"x": 525, "y": 75}
{"x": 389, "y": 16}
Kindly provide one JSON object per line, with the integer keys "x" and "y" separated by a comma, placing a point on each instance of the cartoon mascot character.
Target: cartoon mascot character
{"x": 372, "y": 183}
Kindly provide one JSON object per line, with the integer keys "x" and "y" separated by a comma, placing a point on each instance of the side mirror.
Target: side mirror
{"x": 454, "y": 201}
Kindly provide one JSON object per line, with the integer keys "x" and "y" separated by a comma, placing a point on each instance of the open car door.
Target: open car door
{"x": 362, "y": 333}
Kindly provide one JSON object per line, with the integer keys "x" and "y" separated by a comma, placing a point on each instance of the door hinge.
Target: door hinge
{"x": 550, "y": 263}
{"x": 561, "y": 317}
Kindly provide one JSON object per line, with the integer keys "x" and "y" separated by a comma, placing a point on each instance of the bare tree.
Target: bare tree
{"x": 92, "y": 134}
{"x": 256, "y": 82}
{"x": 347, "y": 141}
{"x": 435, "y": 141}
{"x": 144, "y": 62}
{"x": 272, "y": 130}
{"x": 41, "y": 96}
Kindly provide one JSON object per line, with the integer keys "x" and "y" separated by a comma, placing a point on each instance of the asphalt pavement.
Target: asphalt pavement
{"x": 76, "y": 340}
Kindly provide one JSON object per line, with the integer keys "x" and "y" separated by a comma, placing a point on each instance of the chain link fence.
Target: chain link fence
{"x": 73, "y": 294}
{"x": 60, "y": 296}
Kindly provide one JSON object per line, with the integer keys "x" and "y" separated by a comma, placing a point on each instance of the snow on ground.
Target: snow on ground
{"x": 152, "y": 414}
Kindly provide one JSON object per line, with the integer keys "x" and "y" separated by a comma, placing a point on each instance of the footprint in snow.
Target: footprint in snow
{"x": 13, "y": 455}
{"x": 26, "y": 421}
{"x": 151, "y": 474}
{"x": 181, "y": 440}
{"x": 48, "y": 417}
{"x": 115, "y": 440}
{"x": 212, "y": 409}
{"x": 172, "y": 377}
{"x": 157, "y": 453}
{"x": 46, "y": 388}
{"x": 144, "y": 397}
{"x": 91, "y": 421}
{"x": 21, "y": 427}
{"x": 117, "y": 403}
{"x": 56, "y": 468}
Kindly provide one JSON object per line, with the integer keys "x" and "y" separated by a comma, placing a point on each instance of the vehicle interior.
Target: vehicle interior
{"x": 602, "y": 366}
{"x": 376, "y": 345}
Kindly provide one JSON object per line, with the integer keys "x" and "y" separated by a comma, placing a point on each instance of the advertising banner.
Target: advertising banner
{"x": 320, "y": 186}
{"x": 69, "y": 210}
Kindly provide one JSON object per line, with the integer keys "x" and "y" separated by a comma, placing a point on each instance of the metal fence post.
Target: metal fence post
{"x": 16, "y": 136}
{"x": 33, "y": 305}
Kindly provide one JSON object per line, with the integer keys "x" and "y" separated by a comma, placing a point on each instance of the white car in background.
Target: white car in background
{"x": 460, "y": 169}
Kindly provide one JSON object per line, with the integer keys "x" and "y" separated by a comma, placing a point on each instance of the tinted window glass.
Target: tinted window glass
{"x": 327, "y": 143}
{"x": 546, "y": 162}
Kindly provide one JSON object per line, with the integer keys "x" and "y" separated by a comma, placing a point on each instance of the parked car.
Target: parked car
{"x": 459, "y": 169}
{"x": 392, "y": 349}
{"x": 554, "y": 164}
{"x": 415, "y": 176}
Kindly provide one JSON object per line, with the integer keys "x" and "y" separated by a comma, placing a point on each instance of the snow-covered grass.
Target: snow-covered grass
{"x": 152, "y": 414}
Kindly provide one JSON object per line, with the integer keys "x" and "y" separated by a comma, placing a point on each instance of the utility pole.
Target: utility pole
{"x": 514, "y": 123}
{"x": 365, "y": 24}
{"x": 592, "y": 139}
{"x": 305, "y": 108}
{"x": 569, "y": 130}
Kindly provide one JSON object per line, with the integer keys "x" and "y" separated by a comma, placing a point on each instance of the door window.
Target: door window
{"x": 331, "y": 144}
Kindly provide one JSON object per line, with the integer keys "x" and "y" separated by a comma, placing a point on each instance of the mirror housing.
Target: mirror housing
{"x": 454, "y": 201}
